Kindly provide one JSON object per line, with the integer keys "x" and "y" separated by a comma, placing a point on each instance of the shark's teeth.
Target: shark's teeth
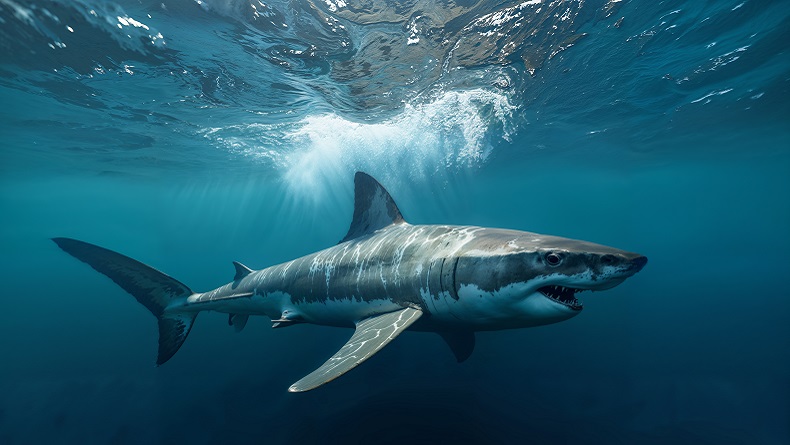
{"x": 562, "y": 295}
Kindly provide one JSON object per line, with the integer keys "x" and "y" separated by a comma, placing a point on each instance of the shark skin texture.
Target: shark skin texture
{"x": 384, "y": 277}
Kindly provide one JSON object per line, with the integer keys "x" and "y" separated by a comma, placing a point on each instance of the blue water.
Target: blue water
{"x": 188, "y": 134}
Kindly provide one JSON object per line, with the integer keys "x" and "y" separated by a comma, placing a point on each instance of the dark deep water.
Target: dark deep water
{"x": 190, "y": 134}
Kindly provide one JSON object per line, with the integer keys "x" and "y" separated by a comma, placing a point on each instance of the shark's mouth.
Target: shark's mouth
{"x": 565, "y": 296}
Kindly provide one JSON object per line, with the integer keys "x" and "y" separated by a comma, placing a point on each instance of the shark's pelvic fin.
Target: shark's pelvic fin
{"x": 462, "y": 343}
{"x": 238, "y": 321}
{"x": 287, "y": 318}
{"x": 371, "y": 335}
{"x": 241, "y": 271}
{"x": 156, "y": 291}
{"x": 285, "y": 322}
{"x": 374, "y": 208}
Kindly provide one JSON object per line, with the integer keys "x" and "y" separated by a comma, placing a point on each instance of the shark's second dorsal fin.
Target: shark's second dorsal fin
{"x": 374, "y": 208}
{"x": 241, "y": 271}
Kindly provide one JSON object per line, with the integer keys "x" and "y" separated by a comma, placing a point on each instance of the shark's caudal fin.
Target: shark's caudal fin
{"x": 156, "y": 291}
{"x": 374, "y": 208}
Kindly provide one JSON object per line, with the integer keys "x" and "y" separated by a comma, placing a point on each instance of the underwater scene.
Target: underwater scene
{"x": 192, "y": 134}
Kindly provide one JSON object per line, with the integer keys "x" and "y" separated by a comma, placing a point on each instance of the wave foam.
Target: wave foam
{"x": 457, "y": 130}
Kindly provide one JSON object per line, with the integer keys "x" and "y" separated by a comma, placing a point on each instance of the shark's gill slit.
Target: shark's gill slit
{"x": 441, "y": 276}
{"x": 454, "y": 284}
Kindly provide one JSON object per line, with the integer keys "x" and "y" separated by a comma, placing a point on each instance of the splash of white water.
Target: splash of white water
{"x": 457, "y": 130}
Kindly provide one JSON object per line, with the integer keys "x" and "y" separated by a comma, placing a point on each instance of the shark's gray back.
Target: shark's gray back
{"x": 400, "y": 263}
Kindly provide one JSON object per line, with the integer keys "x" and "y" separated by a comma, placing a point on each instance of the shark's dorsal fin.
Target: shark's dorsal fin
{"x": 241, "y": 271}
{"x": 374, "y": 208}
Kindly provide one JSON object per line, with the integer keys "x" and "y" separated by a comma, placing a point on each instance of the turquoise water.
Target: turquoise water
{"x": 191, "y": 134}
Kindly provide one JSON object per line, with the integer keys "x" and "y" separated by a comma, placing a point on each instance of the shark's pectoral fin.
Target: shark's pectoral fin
{"x": 462, "y": 343}
{"x": 371, "y": 335}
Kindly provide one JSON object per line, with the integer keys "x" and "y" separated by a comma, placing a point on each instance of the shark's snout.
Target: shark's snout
{"x": 623, "y": 266}
{"x": 626, "y": 262}
{"x": 638, "y": 263}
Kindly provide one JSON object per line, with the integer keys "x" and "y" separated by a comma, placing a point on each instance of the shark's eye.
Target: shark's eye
{"x": 553, "y": 259}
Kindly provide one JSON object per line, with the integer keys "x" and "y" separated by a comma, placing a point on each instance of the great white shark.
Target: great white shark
{"x": 386, "y": 276}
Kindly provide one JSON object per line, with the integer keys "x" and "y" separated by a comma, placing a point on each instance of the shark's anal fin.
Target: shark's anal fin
{"x": 241, "y": 271}
{"x": 238, "y": 321}
{"x": 462, "y": 343}
{"x": 371, "y": 335}
{"x": 374, "y": 208}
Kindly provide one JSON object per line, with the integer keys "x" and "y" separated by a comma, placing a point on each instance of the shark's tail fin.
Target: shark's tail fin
{"x": 156, "y": 291}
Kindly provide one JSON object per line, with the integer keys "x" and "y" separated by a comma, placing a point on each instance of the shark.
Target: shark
{"x": 385, "y": 276}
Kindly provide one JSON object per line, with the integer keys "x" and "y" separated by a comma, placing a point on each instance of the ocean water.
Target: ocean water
{"x": 189, "y": 134}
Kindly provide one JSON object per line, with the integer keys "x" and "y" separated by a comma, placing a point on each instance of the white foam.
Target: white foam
{"x": 454, "y": 131}
{"x": 450, "y": 132}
